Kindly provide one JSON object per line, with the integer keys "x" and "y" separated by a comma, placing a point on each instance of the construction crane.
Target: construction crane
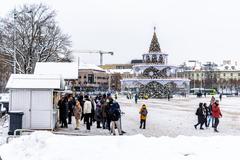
{"x": 92, "y": 51}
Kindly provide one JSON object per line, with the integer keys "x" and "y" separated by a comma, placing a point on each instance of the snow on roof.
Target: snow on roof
{"x": 65, "y": 69}
{"x": 121, "y": 71}
{"x": 228, "y": 67}
{"x": 34, "y": 81}
{"x": 194, "y": 65}
{"x": 90, "y": 66}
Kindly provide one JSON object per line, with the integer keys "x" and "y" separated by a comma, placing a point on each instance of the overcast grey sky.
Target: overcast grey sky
{"x": 206, "y": 30}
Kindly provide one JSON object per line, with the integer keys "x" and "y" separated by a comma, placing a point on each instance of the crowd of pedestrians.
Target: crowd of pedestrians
{"x": 105, "y": 112}
{"x": 209, "y": 114}
{"x": 102, "y": 110}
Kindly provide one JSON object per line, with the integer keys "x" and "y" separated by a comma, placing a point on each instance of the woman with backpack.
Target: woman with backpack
{"x": 143, "y": 116}
{"x": 114, "y": 115}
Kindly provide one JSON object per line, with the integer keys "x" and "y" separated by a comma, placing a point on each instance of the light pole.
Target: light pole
{"x": 14, "y": 39}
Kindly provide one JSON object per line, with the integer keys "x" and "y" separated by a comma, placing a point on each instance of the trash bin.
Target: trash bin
{"x": 15, "y": 121}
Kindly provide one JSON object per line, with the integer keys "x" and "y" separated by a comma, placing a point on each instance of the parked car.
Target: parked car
{"x": 3, "y": 110}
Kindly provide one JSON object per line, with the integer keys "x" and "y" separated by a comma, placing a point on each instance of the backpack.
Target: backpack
{"x": 114, "y": 112}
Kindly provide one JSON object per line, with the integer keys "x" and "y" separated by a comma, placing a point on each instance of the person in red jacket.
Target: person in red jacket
{"x": 216, "y": 113}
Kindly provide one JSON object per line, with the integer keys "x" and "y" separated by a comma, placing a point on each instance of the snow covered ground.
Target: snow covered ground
{"x": 171, "y": 118}
{"x": 177, "y": 117}
{"x": 169, "y": 134}
{"x": 46, "y": 146}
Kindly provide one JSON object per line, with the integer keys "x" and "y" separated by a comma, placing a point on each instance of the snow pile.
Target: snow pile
{"x": 46, "y": 146}
{"x": 4, "y": 129}
{"x": 2, "y": 138}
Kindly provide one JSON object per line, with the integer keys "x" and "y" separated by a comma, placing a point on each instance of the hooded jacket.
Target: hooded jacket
{"x": 143, "y": 113}
{"x": 216, "y": 113}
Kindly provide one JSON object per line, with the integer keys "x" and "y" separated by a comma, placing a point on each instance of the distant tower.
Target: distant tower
{"x": 154, "y": 46}
{"x": 154, "y": 77}
{"x": 155, "y": 54}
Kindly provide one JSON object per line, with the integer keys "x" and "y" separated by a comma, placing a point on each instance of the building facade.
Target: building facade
{"x": 91, "y": 78}
{"x": 225, "y": 78}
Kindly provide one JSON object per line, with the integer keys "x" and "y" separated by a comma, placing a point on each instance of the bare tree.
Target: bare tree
{"x": 5, "y": 71}
{"x": 34, "y": 35}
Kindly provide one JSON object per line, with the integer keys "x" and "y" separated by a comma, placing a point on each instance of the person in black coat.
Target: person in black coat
{"x": 81, "y": 100}
{"x": 92, "y": 120}
{"x": 65, "y": 112}
{"x": 207, "y": 114}
{"x": 71, "y": 104}
{"x": 60, "y": 105}
{"x": 200, "y": 115}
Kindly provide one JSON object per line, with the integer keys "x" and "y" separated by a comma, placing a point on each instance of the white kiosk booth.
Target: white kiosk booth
{"x": 34, "y": 95}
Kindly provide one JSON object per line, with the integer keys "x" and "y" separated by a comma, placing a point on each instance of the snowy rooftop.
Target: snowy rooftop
{"x": 121, "y": 71}
{"x": 90, "y": 66}
{"x": 193, "y": 65}
{"x": 228, "y": 67}
{"x": 34, "y": 81}
{"x": 66, "y": 70}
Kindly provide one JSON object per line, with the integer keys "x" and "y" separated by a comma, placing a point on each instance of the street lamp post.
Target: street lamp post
{"x": 14, "y": 39}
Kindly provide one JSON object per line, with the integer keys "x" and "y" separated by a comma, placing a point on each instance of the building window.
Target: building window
{"x": 224, "y": 74}
{"x": 90, "y": 78}
{"x": 239, "y": 74}
{"x": 231, "y": 74}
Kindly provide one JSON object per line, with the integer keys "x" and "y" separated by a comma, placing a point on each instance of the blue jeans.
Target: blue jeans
{"x": 209, "y": 119}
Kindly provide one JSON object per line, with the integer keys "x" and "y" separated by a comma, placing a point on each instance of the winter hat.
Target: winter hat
{"x": 86, "y": 97}
{"x": 144, "y": 106}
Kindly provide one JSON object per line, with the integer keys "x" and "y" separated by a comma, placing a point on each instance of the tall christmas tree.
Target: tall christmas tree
{"x": 154, "y": 47}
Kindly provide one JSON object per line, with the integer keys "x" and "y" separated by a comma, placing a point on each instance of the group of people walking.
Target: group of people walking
{"x": 102, "y": 109}
{"x": 106, "y": 112}
{"x": 208, "y": 114}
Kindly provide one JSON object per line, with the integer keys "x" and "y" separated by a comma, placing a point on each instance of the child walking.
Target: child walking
{"x": 143, "y": 116}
